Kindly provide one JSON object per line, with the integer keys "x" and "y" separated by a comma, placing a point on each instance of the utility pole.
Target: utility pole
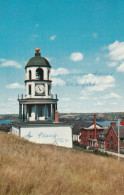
{"x": 118, "y": 138}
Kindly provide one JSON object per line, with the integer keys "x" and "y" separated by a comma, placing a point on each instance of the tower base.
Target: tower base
{"x": 59, "y": 134}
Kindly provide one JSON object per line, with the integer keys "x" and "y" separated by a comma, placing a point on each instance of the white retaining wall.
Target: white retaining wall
{"x": 57, "y": 135}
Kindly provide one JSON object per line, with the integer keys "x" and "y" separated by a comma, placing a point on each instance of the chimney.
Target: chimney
{"x": 113, "y": 124}
{"x": 95, "y": 125}
{"x": 56, "y": 116}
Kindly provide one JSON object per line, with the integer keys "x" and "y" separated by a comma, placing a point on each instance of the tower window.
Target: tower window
{"x": 39, "y": 74}
{"x": 30, "y": 110}
{"x": 29, "y": 74}
{"x": 48, "y": 74}
{"x": 49, "y": 89}
{"x": 29, "y": 89}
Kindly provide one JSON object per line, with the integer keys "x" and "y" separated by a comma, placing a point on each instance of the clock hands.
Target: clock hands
{"x": 40, "y": 88}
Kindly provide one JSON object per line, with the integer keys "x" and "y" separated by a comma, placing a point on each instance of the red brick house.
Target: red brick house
{"x": 76, "y": 129}
{"x": 111, "y": 140}
{"x": 89, "y": 134}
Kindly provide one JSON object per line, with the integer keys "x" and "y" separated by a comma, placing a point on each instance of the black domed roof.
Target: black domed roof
{"x": 37, "y": 61}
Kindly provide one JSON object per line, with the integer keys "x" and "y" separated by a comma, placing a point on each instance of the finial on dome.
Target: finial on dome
{"x": 37, "y": 49}
{"x": 37, "y": 52}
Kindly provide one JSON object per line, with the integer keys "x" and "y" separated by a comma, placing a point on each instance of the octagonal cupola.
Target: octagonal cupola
{"x": 38, "y": 82}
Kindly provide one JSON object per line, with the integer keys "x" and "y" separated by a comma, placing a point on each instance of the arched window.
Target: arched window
{"x": 39, "y": 74}
{"x": 29, "y": 74}
{"x": 48, "y": 74}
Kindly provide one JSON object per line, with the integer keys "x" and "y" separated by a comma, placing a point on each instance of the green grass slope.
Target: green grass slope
{"x": 29, "y": 168}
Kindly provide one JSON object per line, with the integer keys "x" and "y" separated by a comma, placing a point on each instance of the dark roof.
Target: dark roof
{"x": 37, "y": 61}
{"x": 76, "y": 128}
{"x": 104, "y": 132}
{"x": 121, "y": 131}
{"x": 82, "y": 125}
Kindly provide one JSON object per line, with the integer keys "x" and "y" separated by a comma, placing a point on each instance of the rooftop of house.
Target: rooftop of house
{"x": 84, "y": 125}
{"x": 76, "y": 128}
{"x": 102, "y": 135}
{"x": 121, "y": 131}
{"x": 91, "y": 126}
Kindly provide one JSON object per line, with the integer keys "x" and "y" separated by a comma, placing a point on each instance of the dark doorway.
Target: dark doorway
{"x": 40, "y": 110}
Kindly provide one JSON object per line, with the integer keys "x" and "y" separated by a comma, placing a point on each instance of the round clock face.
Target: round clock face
{"x": 39, "y": 89}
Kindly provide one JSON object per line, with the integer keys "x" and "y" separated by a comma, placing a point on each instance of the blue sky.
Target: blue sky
{"x": 82, "y": 39}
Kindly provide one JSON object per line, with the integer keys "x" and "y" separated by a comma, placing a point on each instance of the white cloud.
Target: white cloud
{"x": 83, "y": 98}
{"x": 120, "y": 68}
{"x": 65, "y": 99}
{"x": 95, "y": 35}
{"x": 114, "y": 103}
{"x": 58, "y": 81}
{"x": 59, "y": 71}
{"x": 116, "y": 51}
{"x": 97, "y": 59}
{"x": 101, "y": 83}
{"x": 76, "y": 56}
{"x": 116, "y": 55}
{"x": 99, "y": 103}
{"x": 112, "y": 64}
{"x": 15, "y": 86}
{"x": 111, "y": 96}
{"x": 52, "y": 37}
{"x": 9, "y": 63}
{"x": 9, "y": 107}
{"x": 89, "y": 95}
{"x": 12, "y": 99}
{"x": 86, "y": 78}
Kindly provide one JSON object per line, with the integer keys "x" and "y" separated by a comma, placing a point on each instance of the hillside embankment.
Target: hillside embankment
{"x": 29, "y": 168}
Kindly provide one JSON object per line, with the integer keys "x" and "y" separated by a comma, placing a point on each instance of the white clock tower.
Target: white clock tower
{"x": 39, "y": 104}
{"x": 38, "y": 115}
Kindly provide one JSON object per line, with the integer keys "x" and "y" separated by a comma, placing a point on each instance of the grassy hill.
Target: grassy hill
{"x": 29, "y": 168}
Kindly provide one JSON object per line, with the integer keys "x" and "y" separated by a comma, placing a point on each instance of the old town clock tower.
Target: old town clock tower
{"x": 39, "y": 104}
{"x": 38, "y": 115}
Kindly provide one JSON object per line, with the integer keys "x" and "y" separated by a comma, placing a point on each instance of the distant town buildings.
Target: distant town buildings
{"x": 95, "y": 136}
